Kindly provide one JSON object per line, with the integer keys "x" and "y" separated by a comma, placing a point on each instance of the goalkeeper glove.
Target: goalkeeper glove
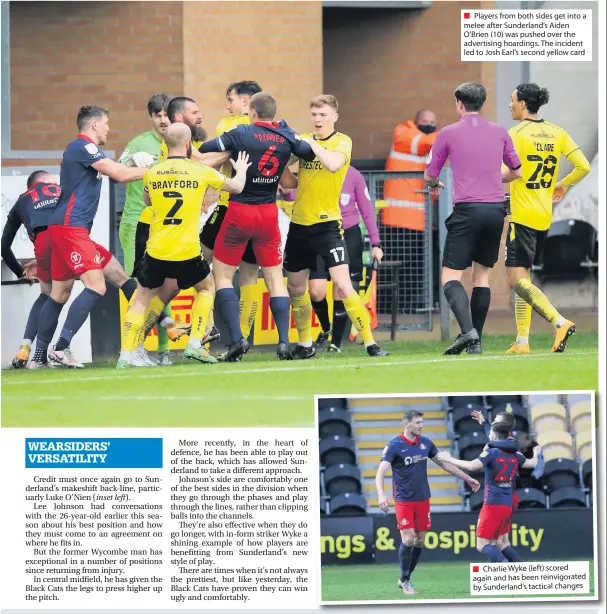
{"x": 142, "y": 160}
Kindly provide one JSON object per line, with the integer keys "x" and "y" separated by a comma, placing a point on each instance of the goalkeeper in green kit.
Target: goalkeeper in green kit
{"x": 139, "y": 152}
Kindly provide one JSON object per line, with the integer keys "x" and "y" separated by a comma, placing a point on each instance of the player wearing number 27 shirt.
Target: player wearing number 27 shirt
{"x": 501, "y": 466}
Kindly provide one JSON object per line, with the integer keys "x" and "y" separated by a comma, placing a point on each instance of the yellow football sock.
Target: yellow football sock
{"x": 533, "y": 296}
{"x": 248, "y": 308}
{"x": 522, "y": 314}
{"x": 302, "y": 314}
{"x": 358, "y": 315}
{"x": 131, "y": 329}
{"x": 151, "y": 318}
{"x": 203, "y": 304}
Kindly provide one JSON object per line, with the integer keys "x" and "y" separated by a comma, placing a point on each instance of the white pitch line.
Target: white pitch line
{"x": 277, "y": 368}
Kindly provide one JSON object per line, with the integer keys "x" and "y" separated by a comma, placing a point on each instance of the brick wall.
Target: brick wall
{"x": 384, "y": 65}
{"x": 112, "y": 54}
{"x": 278, "y": 44}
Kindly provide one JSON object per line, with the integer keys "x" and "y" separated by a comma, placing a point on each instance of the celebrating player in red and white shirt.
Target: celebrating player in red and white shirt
{"x": 407, "y": 455}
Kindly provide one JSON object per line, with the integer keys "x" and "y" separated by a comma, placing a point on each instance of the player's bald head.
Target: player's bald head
{"x": 176, "y": 135}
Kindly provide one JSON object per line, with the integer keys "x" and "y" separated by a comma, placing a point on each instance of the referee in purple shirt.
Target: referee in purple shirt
{"x": 476, "y": 149}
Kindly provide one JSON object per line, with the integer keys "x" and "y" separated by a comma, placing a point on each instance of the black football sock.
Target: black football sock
{"x": 31, "y": 328}
{"x": 404, "y": 556}
{"x": 479, "y": 307}
{"x": 280, "y": 306}
{"x": 322, "y": 311}
{"x": 414, "y": 559}
{"x": 512, "y": 555}
{"x": 128, "y": 288}
{"x": 226, "y": 303}
{"x": 340, "y": 322}
{"x": 493, "y": 554}
{"x": 459, "y": 303}
{"x": 76, "y": 316}
{"x": 47, "y": 325}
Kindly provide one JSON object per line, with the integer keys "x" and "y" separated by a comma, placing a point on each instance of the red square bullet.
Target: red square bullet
{"x": 466, "y": 15}
{"x": 475, "y": 569}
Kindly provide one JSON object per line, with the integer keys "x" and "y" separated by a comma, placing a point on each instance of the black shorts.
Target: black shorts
{"x": 306, "y": 243}
{"x": 142, "y": 234}
{"x": 188, "y": 273}
{"x": 355, "y": 247}
{"x": 210, "y": 230}
{"x": 524, "y": 245}
{"x": 474, "y": 233}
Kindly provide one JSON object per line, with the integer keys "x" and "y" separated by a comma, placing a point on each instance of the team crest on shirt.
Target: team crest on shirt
{"x": 422, "y": 446}
{"x": 345, "y": 199}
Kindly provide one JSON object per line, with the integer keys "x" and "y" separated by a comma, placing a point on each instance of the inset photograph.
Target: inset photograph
{"x": 488, "y": 496}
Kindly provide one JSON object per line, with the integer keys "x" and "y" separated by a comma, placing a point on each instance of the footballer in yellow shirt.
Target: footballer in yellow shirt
{"x": 540, "y": 146}
{"x": 175, "y": 190}
{"x": 316, "y": 230}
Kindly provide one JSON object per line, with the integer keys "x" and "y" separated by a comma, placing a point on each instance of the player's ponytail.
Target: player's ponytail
{"x": 533, "y": 95}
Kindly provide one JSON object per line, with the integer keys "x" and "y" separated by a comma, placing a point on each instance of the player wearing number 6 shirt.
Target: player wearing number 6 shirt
{"x": 501, "y": 468}
{"x": 407, "y": 456}
{"x": 176, "y": 190}
{"x": 253, "y": 216}
{"x": 540, "y": 146}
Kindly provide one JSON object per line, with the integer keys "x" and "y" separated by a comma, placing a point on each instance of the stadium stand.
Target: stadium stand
{"x": 531, "y": 498}
{"x": 570, "y": 496}
{"x": 569, "y": 250}
{"x": 353, "y": 433}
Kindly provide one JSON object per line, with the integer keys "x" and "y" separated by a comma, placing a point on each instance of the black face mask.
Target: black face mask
{"x": 427, "y": 129}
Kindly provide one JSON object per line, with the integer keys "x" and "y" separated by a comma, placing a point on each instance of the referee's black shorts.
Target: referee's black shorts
{"x": 355, "y": 247}
{"x": 524, "y": 245}
{"x": 474, "y": 233}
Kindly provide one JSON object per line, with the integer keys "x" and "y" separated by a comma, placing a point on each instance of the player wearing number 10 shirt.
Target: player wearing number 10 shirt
{"x": 540, "y": 145}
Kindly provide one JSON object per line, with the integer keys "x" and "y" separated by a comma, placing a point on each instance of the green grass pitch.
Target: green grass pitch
{"x": 261, "y": 391}
{"x": 433, "y": 581}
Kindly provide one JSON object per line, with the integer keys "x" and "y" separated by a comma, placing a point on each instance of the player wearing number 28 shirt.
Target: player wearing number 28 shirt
{"x": 540, "y": 146}
{"x": 407, "y": 456}
{"x": 253, "y": 216}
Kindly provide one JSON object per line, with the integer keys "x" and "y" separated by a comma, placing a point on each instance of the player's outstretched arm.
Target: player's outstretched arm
{"x": 214, "y": 159}
{"x": 331, "y": 160}
{"x": 118, "y": 172}
{"x": 531, "y": 463}
{"x": 383, "y": 468}
{"x": 235, "y": 185}
{"x": 454, "y": 466}
{"x": 509, "y": 175}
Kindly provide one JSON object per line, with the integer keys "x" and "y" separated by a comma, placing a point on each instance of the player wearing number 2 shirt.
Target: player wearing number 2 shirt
{"x": 540, "y": 146}
{"x": 407, "y": 457}
{"x": 253, "y": 216}
{"x": 501, "y": 468}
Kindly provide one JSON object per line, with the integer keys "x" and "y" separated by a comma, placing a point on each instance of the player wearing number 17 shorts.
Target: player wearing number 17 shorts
{"x": 501, "y": 468}
{"x": 540, "y": 146}
{"x": 407, "y": 456}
